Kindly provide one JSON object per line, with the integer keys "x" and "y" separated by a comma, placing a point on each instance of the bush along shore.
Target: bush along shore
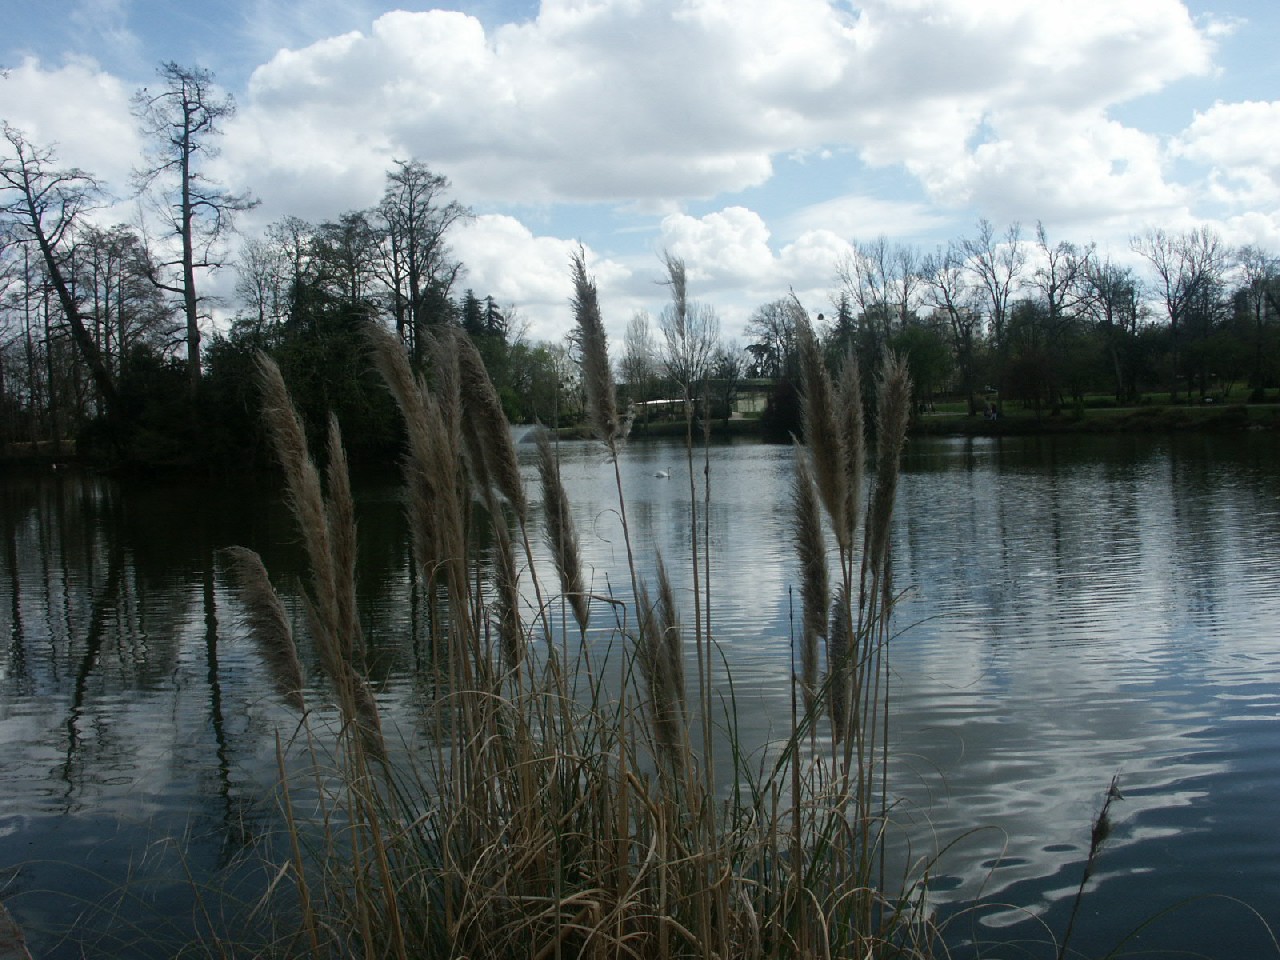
{"x": 565, "y": 796}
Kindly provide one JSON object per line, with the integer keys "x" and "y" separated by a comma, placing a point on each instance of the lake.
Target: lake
{"x": 1073, "y": 608}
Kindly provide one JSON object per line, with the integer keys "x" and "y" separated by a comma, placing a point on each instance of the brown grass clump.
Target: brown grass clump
{"x": 328, "y": 532}
{"x": 549, "y": 814}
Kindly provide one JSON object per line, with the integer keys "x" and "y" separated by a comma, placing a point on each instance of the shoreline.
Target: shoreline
{"x": 1144, "y": 419}
{"x": 1226, "y": 418}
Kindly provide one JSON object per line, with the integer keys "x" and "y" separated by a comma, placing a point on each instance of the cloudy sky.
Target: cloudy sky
{"x": 754, "y": 138}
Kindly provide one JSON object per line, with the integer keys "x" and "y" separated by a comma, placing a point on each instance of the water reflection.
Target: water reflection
{"x": 1093, "y": 634}
{"x": 1073, "y": 607}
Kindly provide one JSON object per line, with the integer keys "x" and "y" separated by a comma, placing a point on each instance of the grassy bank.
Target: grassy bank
{"x": 1143, "y": 419}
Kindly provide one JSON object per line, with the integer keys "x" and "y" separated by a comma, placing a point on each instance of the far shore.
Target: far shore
{"x": 1151, "y": 418}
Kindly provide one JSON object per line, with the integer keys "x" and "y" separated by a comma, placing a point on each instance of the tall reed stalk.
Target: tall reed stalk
{"x": 544, "y": 818}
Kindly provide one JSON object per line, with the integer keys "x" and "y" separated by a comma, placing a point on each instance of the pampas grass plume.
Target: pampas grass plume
{"x": 561, "y": 534}
{"x": 840, "y": 653}
{"x": 507, "y": 585}
{"x": 822, "y": 431}
{"x": 853, "y": 433}
{"x": 597, "y": 374}
{"x": 485, "y": 419}
{"x": 815, "y": 587}
{"x": 268, "y": 624}
{"x": 893, "y": 410}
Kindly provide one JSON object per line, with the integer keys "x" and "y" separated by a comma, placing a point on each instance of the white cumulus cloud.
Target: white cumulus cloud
{"x": 1240, "y": 143}
{"x": 79, "y": 111}
{"x": 1007, "y": 108}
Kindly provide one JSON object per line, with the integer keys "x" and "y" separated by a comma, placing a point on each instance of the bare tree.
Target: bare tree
{"x": 772, "y": 329}
{"x": 1111, "y": 300}
{"x": 261, "y": 285}
{"x": 1260, "y": 290}
{"x": 15, "y": 346}
{"x": 1044, "y": 322}
{"x": 881, "y": 279}
{"x": 906, "y": 278}
{"x": 113, "y": 268}
{"x": 417, "y": 267}
{"x": 865, "y": 275}
{"x": 43, "y": 206}
{"x": 639, "y": 364}
{"x": 343, "y": 252}
{"x": 728, "y": 367}
{"x": 946, "y": 279}
{"x": 690, "y": 333}
{"x": 1188, "y": 267}
{"x": 997, "y": 264}
{"x": 1059, "y": 277}
{"x": 181, "y": 119}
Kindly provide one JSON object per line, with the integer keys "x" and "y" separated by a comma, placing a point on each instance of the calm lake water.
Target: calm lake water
{"x": 1075, "y": 608}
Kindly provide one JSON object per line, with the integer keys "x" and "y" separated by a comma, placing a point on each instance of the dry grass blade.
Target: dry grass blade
{"x": 330, "y": 603}
{"x": 433, "y": 471}
{"x": 346, "y": 672}
{"x": 392, "y": 362}
{"x": 678, "y": 281}
{"x": 364, "y": 712}
{"x": 445, "y": 490}
{"x": 561, "y": 534}
{"x": 447, "y": 388}
{"x": 268, "y": 623}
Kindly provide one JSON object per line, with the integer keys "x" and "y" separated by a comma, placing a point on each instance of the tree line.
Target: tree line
{"x": 103, "y": 330}
{"x": 1000, "y": 317}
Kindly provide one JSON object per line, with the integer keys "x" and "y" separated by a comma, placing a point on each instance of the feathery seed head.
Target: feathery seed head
{"x": 561, "y": 534}
{"x": 822, "y": 430}
{"x": 853, "y": 433}
{"x": 815, "y": 587}
{"x": 893, "y": 410}
{"x": 268, "y": 624}
{"x": 597, "y": 375}
{"x": 486, "y": 425}
{"x": 840, "y": 652}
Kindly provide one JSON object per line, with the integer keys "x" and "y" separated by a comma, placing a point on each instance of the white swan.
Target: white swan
{"x": 663, "y": 474}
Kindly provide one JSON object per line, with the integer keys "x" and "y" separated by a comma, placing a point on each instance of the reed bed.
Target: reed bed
{"x": 557, "y": 806}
